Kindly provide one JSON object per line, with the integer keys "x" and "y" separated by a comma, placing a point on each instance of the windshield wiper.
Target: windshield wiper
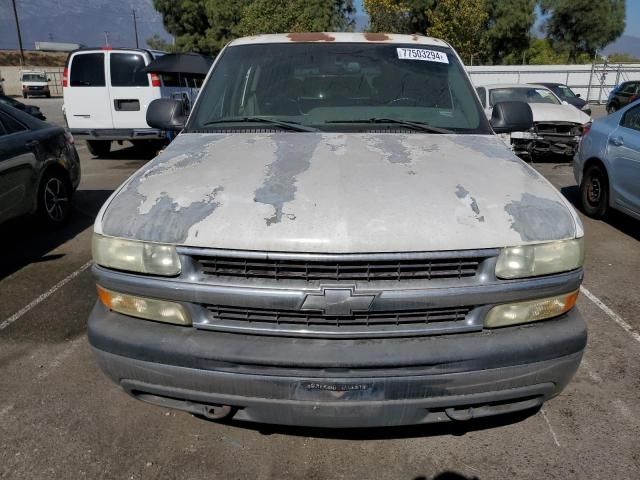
{"x": 293, "y": 126}
{"x": 419, "y": 126}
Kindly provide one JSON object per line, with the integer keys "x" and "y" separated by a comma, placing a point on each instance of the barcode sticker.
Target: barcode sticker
{"x": 422, "y": 54}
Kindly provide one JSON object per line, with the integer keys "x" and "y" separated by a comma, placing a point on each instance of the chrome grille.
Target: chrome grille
{"x": 337, "y": 270}
{"x": 371, "y": 323}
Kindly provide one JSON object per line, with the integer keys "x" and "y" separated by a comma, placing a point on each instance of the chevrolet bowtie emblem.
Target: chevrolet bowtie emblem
{"x": 337, "y": 302}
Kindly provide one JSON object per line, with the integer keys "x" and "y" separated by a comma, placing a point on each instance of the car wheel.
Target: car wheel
{"x": 612, "y": 108}
{"x": 48, "y": 95}
{"x": 54, "y": 199}
{"x": 24, "y": 95}
{"x": 594, "y": 191}
{"x": 99, "y": 148}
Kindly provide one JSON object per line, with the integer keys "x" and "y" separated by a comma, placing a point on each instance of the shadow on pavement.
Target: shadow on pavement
{"x": 388, "y": 433}
{"x": 128, "y": 152}
{"x": 448, "y": 475}
{"x": 618, "y": 220}
{"x": 25, "y": 240}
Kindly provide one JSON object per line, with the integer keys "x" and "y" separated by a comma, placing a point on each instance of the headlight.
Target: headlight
{"x": 133, "y": 256}
{"x": 541, "y": 259}
{"x": 141, "y": 307}
{"x": 530, "y": 311}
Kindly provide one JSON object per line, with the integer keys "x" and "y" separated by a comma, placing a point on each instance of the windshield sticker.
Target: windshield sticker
{"x": 422, "y": 54}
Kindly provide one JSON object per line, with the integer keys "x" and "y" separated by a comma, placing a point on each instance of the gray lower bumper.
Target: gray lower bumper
{"x": 117, "y": 133}
{"x": 466, "y": 382}
{"x": 342, "y": 402}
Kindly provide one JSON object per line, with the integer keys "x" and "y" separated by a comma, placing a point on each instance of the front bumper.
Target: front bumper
{"x": 117, "y": 133}
{"x": 339, "y": 382}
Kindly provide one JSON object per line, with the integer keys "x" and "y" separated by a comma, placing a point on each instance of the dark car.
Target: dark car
{"x": 623, "y": 95}
{"x": 39, "y": 168}
{"x": 568, "y": 95}
{"x": 30, "y": 109}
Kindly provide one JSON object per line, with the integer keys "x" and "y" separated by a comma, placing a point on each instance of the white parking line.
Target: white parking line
{"x": 553, "y": 434}
{"x": 44, "y": 296}
{"x": 614, "y": 316}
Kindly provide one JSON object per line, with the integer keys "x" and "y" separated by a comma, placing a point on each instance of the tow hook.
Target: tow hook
{"x": 216, "y": 412}
{"x": 459, "y": 415}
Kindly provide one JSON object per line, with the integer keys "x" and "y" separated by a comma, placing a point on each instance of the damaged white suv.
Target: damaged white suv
{"x": 338, "y": 238}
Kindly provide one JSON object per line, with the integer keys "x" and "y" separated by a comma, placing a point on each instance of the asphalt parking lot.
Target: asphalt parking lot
{"x": 61, "y": 418}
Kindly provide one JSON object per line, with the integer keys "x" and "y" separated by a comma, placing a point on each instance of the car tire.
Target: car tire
{"x": 48, "y": 95}
{"x": 612, "y": 108}
{"x": 99, "y": 148}
{"x": 24, "y": 95}
{"x": 594, "y": 191}
{"x": 54, "y": 198}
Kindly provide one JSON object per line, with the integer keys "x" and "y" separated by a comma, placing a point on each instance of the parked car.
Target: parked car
{"x": 329, "y": 243}
{"x": 557, "y": 126}
{"x": 106, "y": 96}
{"x": 622, "y": 95}
{"x": 607, "y": 166}
{"x": 1, "y": 84}
{"x": 39, "y": 168}
{"x": 34, "y": 82}
{"x": 565, "y": 94}
{"x": 32, "y": 110}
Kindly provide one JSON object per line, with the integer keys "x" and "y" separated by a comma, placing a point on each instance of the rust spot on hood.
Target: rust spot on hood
{"x": 376, "y": 37}
{"x": 310, "y": 37}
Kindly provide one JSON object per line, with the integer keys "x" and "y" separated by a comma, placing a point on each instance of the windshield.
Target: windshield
{"x": 566, "y": 91}
{"x": 523, "y": 94}
{"x": 339, "y": 86}
{"x": 33, "y": 77}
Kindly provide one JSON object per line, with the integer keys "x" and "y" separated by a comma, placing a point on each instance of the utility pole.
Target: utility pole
{"x": 15, "y": 14}
{"x": 106, "y": 38}
{"x": 135, "y": 27}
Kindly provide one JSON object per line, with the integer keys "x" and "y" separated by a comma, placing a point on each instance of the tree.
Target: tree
{"x": 583, "y": 26}
{"x": 208, "y": 25}
{"x": 509, "y": 25}
{"x": 267, "y": 16}
{"x": 462, "y": 23}
{"x": 158, "y": 43}
{"x": 399, "y": 16}
{"x": 201, "y": 25}
{"x": 389, "y": 16}
{"x": 622, "y": 58}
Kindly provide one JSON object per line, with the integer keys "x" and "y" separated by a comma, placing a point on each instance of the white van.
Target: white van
{"x": 34, "y": 82}
{"x": 106, "y": 97}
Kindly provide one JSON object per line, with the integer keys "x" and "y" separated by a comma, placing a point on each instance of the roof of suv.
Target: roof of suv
{"x": 341, "y": 37}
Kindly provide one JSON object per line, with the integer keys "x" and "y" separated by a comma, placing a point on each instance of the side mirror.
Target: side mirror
{"x": 508, "y": 117}
{"x": 577, "y": 95}
{"x": 167, "y": 114}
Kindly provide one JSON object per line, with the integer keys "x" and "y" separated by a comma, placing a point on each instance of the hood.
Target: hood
{"x": 548, "y": 112}
{"x": 338, "y": 193}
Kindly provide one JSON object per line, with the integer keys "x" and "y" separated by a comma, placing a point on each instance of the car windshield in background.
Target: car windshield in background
{"x": 339, "y": 86}
{"x": 522, "y": 94}
{"x": 34, "y": 78}
{"x": 566, "y": 91}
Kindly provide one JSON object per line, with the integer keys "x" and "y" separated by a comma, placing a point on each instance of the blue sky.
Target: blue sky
{"x": 633, "y": 16}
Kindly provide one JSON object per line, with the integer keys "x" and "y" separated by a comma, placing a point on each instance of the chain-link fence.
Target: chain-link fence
{"x": 592, "y": 82}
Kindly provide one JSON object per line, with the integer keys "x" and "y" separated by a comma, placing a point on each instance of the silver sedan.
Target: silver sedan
{"x": 607, "y": 165}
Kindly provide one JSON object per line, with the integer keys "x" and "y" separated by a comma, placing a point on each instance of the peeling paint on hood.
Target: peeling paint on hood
{"x": 338, "y": 193}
